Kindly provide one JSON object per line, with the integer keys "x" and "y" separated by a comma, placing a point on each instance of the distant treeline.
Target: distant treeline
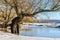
{"x": 52, "y": 21}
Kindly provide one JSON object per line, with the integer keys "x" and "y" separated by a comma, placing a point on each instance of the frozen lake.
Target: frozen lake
{"x": 38, "y": 31}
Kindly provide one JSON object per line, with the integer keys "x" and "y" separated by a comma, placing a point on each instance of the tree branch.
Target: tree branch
{"x": 26, "y": 14}
{"x": 48, "y": 11}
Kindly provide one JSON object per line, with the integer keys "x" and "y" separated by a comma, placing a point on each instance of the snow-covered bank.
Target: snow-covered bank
{"x": 9, "y": 36}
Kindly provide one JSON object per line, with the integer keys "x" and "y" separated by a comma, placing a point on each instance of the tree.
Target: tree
{"x": 6, "y": 17}
{"x": 30, "y": 8}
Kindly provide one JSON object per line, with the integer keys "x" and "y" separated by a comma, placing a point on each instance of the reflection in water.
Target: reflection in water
{"x": 38, "y": 31}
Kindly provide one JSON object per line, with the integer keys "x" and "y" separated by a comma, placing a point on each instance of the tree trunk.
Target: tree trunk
{"x": 14, "y": 28}
{"x": 5, "y": 27}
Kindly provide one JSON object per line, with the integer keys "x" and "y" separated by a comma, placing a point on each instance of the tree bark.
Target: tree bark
{"x": 14, "y": 28}
{"x": 14, "y": 25}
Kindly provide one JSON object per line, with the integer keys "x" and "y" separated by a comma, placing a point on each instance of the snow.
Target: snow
{"x": 54, "y": 32}
{"x": 9, "y": 36}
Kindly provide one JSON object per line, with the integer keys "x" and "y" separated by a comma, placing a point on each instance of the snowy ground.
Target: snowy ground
{"x": 9, "y": 36}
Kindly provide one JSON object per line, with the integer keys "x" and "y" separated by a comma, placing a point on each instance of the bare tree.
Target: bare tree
{"x": 29, "y": 8}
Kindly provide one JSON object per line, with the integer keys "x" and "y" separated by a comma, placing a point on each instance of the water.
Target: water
{"x": 38, "y": 31}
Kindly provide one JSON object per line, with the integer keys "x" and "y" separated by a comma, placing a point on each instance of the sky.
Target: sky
{"x": 46, "y": 15}
{"x": 50, "y": 15}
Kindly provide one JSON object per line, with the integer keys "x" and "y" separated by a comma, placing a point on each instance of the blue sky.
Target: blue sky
{"x": 50, "y": 15}
{"x": 48, "y": 6}
{"x": 54, "y": 15}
